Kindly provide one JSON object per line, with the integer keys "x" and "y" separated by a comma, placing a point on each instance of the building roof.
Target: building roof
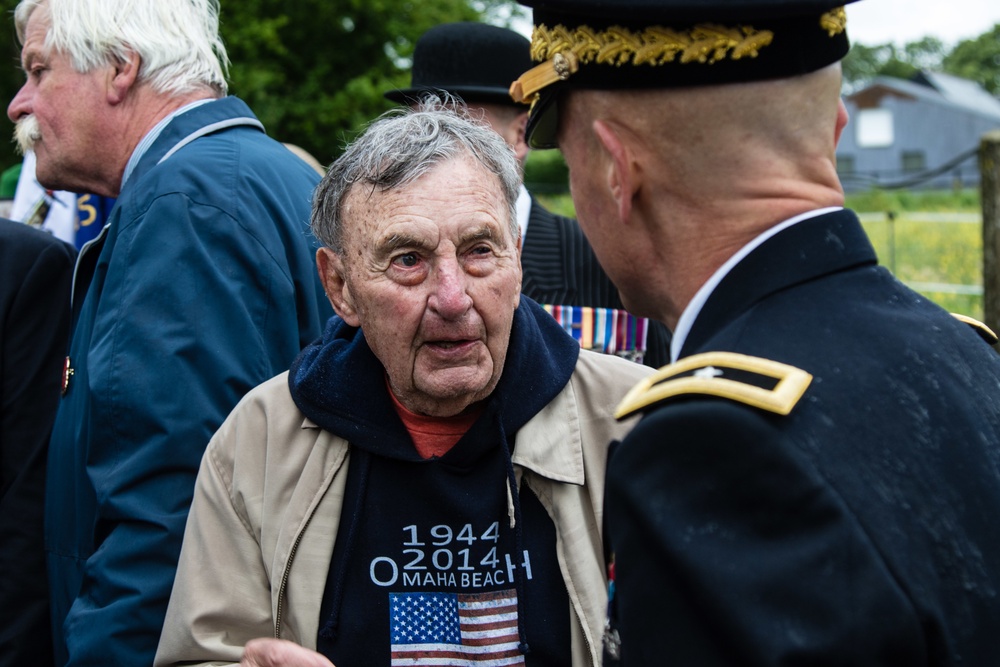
{"x": 934, "y": 87}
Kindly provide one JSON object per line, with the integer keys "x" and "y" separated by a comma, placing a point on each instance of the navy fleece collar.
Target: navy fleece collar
{"x": 338, "y": 383}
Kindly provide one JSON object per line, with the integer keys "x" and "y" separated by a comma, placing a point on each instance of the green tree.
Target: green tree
{"x": 11, "y": 78}
{"x": 978, "y": 59}
{"x": 314, "y": 72}
{"x": 924, "y": 53}
{"x": 864, "y": 63}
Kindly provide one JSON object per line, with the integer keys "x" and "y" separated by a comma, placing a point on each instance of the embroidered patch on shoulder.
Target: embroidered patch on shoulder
{"x": 762, "y": 383}
{"x": 984, "y": 331}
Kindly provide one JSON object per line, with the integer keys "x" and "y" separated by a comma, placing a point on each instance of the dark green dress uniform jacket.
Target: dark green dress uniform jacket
{"x": 863, "y": 527}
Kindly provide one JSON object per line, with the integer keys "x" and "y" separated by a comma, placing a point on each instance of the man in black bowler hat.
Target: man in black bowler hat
{"x": 816, "y": 479}
{"x": 476, "y": 62}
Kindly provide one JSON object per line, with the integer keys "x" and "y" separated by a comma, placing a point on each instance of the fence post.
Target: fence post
{"x": 989, "y": 167}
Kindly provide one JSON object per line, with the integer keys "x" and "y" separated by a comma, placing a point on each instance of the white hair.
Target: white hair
{"x": 404, "y": 144}
{"x": 177, "y": 41}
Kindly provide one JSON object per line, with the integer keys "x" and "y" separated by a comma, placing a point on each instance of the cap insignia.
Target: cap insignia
{"x": 656, "y": 45}
{"x": 559, "y": 68}
{"x": 834, "y": 21}
{"x": 562, "y": 50}
{"x": 705, "y": 43}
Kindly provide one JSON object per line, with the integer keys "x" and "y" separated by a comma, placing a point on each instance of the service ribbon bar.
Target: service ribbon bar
{"x": 607, "y": 330}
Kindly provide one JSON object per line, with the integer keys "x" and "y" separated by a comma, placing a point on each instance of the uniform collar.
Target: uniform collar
{"x": 693, "y": 309}
{"x": 808, "y": 250}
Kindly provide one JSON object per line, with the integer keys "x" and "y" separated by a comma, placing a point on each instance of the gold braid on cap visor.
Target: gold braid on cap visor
{"x": 563, "y": 49}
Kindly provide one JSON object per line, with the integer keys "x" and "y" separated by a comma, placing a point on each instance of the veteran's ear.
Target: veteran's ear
{"x": 122, "y": 76}
{"x": 333, "y": 277}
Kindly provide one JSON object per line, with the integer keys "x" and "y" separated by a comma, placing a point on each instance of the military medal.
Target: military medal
{"x": 67, "y": 371}
{"x": 612, "y": 641}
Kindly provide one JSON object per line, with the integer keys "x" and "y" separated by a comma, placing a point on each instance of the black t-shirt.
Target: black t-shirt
{"x": 427, "y": 566}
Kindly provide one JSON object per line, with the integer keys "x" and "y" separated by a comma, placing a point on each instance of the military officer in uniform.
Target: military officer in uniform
{"x": 476, "y": 62}
{"x": 816, "y": 479}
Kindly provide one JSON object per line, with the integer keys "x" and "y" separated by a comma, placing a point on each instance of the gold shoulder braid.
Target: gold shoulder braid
{"x": 561, "y": 50}
{"x": 761, "y": 383}
{"x": 984, "y": 331}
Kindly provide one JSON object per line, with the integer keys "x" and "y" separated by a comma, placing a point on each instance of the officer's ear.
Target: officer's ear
{"x": 332, "y": 275}
{"x": 623, "y": 172}
{"x": 519, "y": 126}
{"x": 842, "y": 119}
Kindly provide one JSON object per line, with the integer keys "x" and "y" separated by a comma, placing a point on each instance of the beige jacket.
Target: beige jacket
{"x": 266, "y": 509}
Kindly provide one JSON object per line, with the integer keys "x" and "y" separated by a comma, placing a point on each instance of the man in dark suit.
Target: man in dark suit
{"x": 35, "y": 274}
{"x": 477, "y": 62}
{"x": 816, "y": 480}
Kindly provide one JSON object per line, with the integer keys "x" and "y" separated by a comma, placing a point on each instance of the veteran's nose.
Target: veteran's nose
{"x": 450, "y": 298}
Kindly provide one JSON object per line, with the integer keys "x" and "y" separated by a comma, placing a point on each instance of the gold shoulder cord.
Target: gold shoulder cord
{"x": 984, "y": 331}
{"x": 705, "y": 374}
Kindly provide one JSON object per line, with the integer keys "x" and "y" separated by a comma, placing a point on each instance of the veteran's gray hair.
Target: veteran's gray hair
{"x": 399, "y": 147}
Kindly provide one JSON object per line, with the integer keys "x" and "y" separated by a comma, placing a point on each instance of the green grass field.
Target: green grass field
{"x": 932, "y": 241}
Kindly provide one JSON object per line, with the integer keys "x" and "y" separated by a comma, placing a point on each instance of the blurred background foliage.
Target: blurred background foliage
{"x": 312, "y": 70}
{"x": 977, "y": 59}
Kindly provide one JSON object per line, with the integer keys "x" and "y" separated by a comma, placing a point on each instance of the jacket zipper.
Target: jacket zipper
{"x": 581, "y": 618}
{"x": 284, "y": 577}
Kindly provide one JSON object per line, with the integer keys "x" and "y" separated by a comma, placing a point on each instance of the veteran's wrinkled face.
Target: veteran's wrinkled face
{"x": 431, "y": 273}
{"x": 58, "y": 112}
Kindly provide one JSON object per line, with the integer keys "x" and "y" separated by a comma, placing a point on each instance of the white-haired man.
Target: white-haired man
{"x": 201, "y": 286}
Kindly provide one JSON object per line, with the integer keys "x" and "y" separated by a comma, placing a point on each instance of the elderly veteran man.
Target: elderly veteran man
{"x": 476, "y": 62}
{"x": 427, "y": 479}
{"x": 816, "y": 480}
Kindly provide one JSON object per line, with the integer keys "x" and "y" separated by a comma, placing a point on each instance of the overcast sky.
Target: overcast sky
{"x": 872, "y": 22}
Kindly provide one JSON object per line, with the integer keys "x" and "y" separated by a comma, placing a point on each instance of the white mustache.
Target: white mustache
{"x": 26, "y": 133}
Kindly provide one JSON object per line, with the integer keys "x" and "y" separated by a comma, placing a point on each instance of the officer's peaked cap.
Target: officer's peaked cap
{"x": 624, "y": 44}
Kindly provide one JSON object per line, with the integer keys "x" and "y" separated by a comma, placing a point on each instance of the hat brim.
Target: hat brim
{"x": 542, "y": 129}
{"x": 468, "y": 94}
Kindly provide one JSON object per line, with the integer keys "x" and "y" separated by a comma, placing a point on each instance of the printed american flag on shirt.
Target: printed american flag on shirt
{"x": 448, "y": 629}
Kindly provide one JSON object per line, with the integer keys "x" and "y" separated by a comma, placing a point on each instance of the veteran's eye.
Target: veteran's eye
{"x": 410, "y": 259}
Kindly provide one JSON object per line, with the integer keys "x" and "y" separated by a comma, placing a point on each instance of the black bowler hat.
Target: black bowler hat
{"x": 619, "y": 44}
{"x": 474, "y": 61}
